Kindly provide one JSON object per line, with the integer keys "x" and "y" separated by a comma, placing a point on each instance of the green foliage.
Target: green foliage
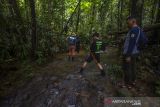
{"x": 115, "y": 71}
{"x": 51, "y": 16}
{"x": 158, "y": 88}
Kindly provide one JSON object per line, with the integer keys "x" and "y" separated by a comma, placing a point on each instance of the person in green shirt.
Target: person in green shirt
{"x": 96, "y": 48}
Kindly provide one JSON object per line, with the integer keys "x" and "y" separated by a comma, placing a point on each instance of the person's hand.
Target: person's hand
{"x": 128, "y": 59}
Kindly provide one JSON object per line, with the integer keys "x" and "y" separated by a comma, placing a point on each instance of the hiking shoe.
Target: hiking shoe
{"x": 134, "y": 83}
{"x": 121, "y": 85}
{"x": 129, "y": 87}
{"x": 103, "y": 73}
{"x": 80, "y": 72}
{"x": 72, "y": 59}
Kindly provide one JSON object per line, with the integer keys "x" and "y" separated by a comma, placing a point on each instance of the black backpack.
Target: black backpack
{"x": 142, "y": 40}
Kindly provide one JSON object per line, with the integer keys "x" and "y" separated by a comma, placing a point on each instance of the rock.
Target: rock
{"x": 72, "y": 91}
{"x": 53, "y": 78}
{"x": 124, "y": 92}
{"x": 39, "y": 79}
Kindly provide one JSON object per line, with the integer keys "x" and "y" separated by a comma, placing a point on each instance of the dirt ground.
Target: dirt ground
{"x": 58, "y": 84}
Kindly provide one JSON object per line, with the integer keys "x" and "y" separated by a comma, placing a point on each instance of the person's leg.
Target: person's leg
{"x": 88, "y": 58}
{"x": 126, "y": 71}
{"x": 99, "y": 66}
{"x": 97, "y": 58}
{"x": 73, "y": 52}
{"x": 130, "y": 74}
{"x": 133, "y": 68}
{"x": 69, "y": 53}
{"x": 83, "y": 66}
{"x": 78, "y": 49}
{"x": 101, "y": 69}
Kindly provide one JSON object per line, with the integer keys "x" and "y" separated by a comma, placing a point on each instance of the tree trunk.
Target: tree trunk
{"x": 137, "y": 10}
{"x": 156, "y": 38}
{"x": 62, "y": 13}
{"x": 118, "y": 19}
{"x": 121, "y": 14}
{"x": 145, "y": 29}
{"x": 14, "y": 7}
{"x": 33, "y": 29}
{"x": 102, "y": 15}
{"x": 153, "y": 11}
{"x": 10, "y": 9}
{"x": 111, "y": 18}
{"x": 93, "y": 8}
{"x": 26, "y": 10}
{"x": 2, "y": 19}
{"x": 157, "y": 12}
{"x": 78, "y": 15}
{"x": 65, "y": 29}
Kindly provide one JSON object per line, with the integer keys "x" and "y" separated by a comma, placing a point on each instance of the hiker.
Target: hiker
{"x": 72, "y": 46}
{"x": 94, "y": 55}
{"x": 134, "y": 41}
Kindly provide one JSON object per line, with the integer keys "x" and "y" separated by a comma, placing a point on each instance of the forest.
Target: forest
{"x": 33, "y": 50}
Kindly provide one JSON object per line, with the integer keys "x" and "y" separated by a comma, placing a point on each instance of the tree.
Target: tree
{"x": 120, "y": 14}
{"x": 70, "y": 19}
{"x": 33, "y": 28}
{"x": 137, "y": 10}
{"x": 78, "y": 15}
{"x": 93, "y": 15}
{"x": 14, "y": 9}
{"x": 157, "y": 12}
{"x": 102, "y": 15}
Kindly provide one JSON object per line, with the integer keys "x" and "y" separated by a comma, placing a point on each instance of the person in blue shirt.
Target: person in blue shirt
{"x": 71, "y": 46}
{"x": 131, "y": 51}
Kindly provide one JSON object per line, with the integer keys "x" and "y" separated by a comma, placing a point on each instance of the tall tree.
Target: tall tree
{"x": 33, "y": 28}
{"x": 62, "y": 13}
{"x": 137, "y": 10}
{"x": 118, "y": 19}
{"x": 78, "y": 15}
{"x": 120, "y": 14}
{"x": 65, "y": 29}
{"x": 2, "y": 19}
{"x": 26, "y": 9}
{"x": 102, "y": 14}
{"x": 93, "y": 13}
{"x": 157, "y": 12}
{"x": 156, "y": 33}
{"x": 14, "y": 9}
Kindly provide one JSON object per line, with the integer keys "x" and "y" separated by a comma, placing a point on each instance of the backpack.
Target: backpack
{"x": 141, "y": 40}
{"x": 72, "y": 40}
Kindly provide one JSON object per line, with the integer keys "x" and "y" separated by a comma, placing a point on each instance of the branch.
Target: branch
{"x": 145, "y": 29}
{"x": 66, "y": 25}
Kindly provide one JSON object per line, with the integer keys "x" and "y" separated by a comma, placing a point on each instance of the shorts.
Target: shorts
{"x": 90, "y": 58}
{"x": 72, "y": 49}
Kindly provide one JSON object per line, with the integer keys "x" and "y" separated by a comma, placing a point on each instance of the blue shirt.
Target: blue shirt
{"x": 131, "y": 41}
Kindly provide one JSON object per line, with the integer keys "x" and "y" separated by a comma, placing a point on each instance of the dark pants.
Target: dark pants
{"x": 93, "y": 56}
{"x": 129, "y": 69}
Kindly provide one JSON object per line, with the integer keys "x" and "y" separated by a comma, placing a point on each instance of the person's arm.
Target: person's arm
{"x": 132, "y": 42}
{"x": 104, "y": 45}
{"x": 92, "y": 47}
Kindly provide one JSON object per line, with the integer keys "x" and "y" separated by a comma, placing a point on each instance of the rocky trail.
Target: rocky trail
{"x": 59, "y": 87}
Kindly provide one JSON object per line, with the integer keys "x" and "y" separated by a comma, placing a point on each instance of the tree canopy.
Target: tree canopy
{"x": 39, "y": 27}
